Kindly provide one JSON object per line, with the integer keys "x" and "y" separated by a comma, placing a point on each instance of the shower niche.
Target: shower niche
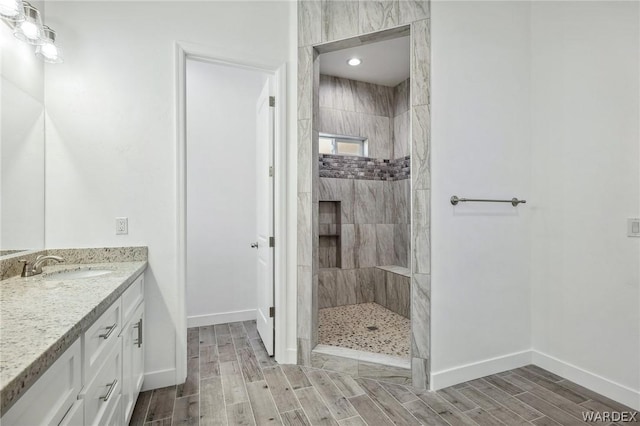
{"x": 329, "y": 247}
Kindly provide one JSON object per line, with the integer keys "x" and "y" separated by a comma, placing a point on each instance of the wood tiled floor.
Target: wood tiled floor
{"x": 232, "y": 381}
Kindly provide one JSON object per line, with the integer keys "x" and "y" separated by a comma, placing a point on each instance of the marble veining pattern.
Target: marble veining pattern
{"x": 421, "y": 309}
{"x": 413, "y": 10}
{"x": 405, "y": 272}
{"x": 374, "y": 15}
{"x": 356, "y": 108}
{"x": 309, "y": 22}
{"x": 340, "y": 20}
{"x": 346, "y": 326}
{"x": 42, "y": 318}
{"x": 391, "y": 360}
{"x": 421, "y": 63}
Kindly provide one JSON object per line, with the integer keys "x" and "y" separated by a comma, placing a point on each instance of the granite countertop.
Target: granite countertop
{"x": 40, "y": 318}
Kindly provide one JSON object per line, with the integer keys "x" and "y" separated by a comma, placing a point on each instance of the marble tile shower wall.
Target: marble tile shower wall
{"x": 378, "y": 113}
{"x": 332, "y": 21}
{"x": 374, "y": 229}
{"x": 356, "y": 108}
{"x": 401, "y": 120}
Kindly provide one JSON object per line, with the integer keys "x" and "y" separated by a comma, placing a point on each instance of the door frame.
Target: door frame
{"x": 224, "y": 56}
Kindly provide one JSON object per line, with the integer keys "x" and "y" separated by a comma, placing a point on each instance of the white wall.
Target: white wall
{"x": 221, "y": 192}
{"x": 541, "y": 101}
{"x": 111, "y": 137}
{"x": 480, "y": 149}
{"x": 586, "y": 183}
{"x": 21, "y": 143}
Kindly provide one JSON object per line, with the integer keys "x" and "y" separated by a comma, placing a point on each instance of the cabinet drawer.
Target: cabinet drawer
{"x": 115, "y": 418}
{"x": 75, "y": 415}
{"x": 102, "y": 394}
{"x": 131, "y": 298}
{"x": 49, "y": 399}
{"x": 99, "y": 339}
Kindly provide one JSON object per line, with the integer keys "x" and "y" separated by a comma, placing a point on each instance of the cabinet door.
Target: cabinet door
{"x": 133, "y": 361}
{"x": 49, "y": 398}
{"x": 138, "y": 349}
{"x": 75, "y": 415}
{"x": 102, "y": 395}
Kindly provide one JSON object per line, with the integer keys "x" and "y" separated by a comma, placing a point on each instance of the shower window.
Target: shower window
{"x": 342, "y": 145}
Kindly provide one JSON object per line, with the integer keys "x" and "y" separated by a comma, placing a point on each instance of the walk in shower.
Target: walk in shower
{"x": 364, "y": 200}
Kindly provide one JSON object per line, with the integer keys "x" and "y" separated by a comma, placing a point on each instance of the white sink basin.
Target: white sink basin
{"x": 77, "y": 274}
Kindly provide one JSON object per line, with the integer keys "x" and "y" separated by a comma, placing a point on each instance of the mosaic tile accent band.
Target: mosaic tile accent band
{"x": 347, "y": 167}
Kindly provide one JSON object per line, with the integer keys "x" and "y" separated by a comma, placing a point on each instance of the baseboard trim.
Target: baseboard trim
{"x": 464, "y": 373}
{"x": 291, "y": 356}
{"x": 594, "y": 382}
{"x": 159, "y": 379}
{"x": 220, "y": 318}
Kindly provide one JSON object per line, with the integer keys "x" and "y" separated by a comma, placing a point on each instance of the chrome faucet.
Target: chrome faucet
{"x": 29, "y": 269}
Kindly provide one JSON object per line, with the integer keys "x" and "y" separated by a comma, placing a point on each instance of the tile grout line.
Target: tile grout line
{"x": 173, "y": 410}
{"x": 224, "y": 398}
{"x": 146, "y": 412}
{"x": 510, "y": 396}
{"x": 380, "y": 407}
{"x": 293, "y": 391}
{"x": 265, "y": 380}
{"x": 200, "y": 378}
{"x": 503, "y": 406}
{"x": 244, "y": 381}
{"x": 323, "y": 399}
{"x": 535, "y": 385}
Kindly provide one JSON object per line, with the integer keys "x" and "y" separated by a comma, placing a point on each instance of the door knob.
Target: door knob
{"x": 254, "y": 245}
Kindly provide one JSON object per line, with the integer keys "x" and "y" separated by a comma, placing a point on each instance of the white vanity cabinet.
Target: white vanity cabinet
{"x": 97, "y": 380}
{"x": 50, "y": 398}
{"x": 102, "y": 394}
{"x": 132, "y": 337}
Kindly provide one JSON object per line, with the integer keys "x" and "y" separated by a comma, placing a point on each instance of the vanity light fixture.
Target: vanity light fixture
{"x": 12, "y": 10}
{"x": 48, "y": 50}
{"x": 30, "y": 29}
{"x": 27, "y": 26}
{"x": 354, "y": 62}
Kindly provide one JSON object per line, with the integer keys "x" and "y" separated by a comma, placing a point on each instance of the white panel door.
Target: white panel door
{"x": 264, "y": 164}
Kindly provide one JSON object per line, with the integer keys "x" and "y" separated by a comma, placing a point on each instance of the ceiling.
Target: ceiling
{"x": 386, "y": 62}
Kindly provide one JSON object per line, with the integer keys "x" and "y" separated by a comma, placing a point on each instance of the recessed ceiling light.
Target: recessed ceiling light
{"x": 354, "y": 62}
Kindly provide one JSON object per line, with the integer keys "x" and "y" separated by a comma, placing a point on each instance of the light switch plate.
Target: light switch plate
{"x": 633, "y": 227}
{"x": 122, "y": 225}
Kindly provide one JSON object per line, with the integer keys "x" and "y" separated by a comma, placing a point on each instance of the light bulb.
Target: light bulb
{"x": 30, "y": 30}
{"x": 354, "y": 62}
{"x": 12, "y": 9}
{"x": 49, "y": 51}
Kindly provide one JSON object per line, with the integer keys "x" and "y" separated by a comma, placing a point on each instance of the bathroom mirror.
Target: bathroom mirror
{"x": 22, "y": 145}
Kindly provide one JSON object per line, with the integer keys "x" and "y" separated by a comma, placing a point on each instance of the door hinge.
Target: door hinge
{"x": 272, "y": 312}
{"x": 272, "y": 101}
{"x": 272, "y": 242}
{"x": 270, "y": 171}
